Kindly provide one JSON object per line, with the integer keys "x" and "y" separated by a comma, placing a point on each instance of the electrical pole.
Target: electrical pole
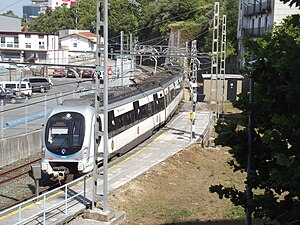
{"x": 121, "y": 50}
{"x": 102, "y": 30}
{"x": 193, "y": 84}
{"x": 131, "y": 50}
{"x": 214, "y": 69}
{"x": 222, "y": 67}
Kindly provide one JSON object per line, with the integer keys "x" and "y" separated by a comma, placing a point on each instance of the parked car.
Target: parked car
{"x": 12, "y": 96}
{"x": 59, "y": 72}
{"x": 87, "y": 74}
{"x": 72, "y": 72}
{"x": 23, "y": 87}
{"x": 38, "y": 84}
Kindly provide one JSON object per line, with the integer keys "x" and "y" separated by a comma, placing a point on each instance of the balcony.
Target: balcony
{"x": 258, "y": 8}
{"x": 254, "y": 32}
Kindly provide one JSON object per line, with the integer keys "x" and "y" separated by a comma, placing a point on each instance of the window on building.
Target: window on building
{"x": 28, "y": 45}
{"x": 41, "y": 45}
{"x": 27, "y": 35}
{"x": 41, "y": 36}
{"x": 2, "y": 41}
{"x": 266, "y": 23}
{"x": 9, "y": 44}
{"x": 16, "y": 42}
{"x": 75, "y": 45}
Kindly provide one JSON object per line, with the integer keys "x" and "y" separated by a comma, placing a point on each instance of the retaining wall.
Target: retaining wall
{"x": 20, "y": 147}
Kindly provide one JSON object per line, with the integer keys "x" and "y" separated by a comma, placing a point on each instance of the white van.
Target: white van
{"x": 25, "y": 87}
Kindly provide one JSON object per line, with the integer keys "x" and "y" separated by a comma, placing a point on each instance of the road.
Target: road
{"x": 35, "y": 107}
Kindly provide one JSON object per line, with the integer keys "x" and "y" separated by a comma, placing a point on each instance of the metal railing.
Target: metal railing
{"x": 258, "y": 8}
{"x": 44, "y": 200}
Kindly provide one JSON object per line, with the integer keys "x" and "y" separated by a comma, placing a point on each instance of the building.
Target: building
{"x": 57, "y": 3}
{"x": 10, "y": 24}
{"x": 78, "y": 43}
{"x": 258, "y": 16}
{"x": 31, "y": 11}
{"x": 27, "y": 46}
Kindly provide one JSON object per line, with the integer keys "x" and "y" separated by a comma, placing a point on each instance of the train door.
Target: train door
{"x": 231, "y": 89}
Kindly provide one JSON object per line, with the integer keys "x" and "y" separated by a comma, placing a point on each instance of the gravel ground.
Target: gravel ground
{"x": 18, "y": 189}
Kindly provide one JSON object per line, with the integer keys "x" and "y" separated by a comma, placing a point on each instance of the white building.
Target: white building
{"x": 258, "y": 16}
{"x": 28, "y": 46}
{"x": 57, "y": 3}
{"x": 81, "y": 43}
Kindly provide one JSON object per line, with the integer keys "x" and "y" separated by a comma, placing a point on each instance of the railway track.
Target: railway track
{"x": 17, "y": 184}
{"x": 16, "y": 172}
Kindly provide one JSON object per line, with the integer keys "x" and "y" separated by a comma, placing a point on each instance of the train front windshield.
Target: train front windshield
{"x": 64, "y": 133}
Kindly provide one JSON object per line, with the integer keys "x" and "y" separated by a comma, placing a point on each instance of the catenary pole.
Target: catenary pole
{"x": 102, "y": 30}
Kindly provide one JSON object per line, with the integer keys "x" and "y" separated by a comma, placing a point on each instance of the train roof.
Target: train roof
{"x": 143, "y": 83}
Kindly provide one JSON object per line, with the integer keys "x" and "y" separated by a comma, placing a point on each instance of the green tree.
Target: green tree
{"x": 53, "y": 20}
{"x": 275, "y": 176}
{"x": 10, "y": 13}
{"x": 292, "y": 2}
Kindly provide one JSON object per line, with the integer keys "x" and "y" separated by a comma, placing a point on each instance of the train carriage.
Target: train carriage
{"x": 133, "y": 114}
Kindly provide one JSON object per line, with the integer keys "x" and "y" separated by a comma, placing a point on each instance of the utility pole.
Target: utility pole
{"x": 195, "y": 66}
{"x": 131, "y": 50}
{"x": 102, "y": 30}
{"x": 214, "y": 69}
{"x": 222, "y": 67}
{"x": 121, "y": 50}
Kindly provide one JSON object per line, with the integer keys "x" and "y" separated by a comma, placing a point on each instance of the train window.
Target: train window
{"x": 136, "y": 110}
{"x": 150, "y": 108}
{"x": 111, "y": 121}
{"x": 76, "y": 133}
{"x": 65, "y": 133}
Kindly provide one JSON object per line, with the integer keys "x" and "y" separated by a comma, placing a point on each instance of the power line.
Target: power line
{"x": 10, "y": 5}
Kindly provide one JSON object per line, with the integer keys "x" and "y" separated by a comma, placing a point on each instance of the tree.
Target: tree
{"x": 10, "y": 13}
{"x": 275, "y": 176}
{"x": 292, "y": 2}
{"x": 53, "y": 20}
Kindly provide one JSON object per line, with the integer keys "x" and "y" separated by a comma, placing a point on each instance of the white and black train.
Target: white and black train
{"x": 134, "y": 112}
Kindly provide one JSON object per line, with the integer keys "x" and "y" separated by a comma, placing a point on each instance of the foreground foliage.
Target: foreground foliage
{"x": 275, "y": 176}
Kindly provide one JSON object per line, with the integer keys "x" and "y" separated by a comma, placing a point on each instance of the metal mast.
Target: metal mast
{"x": 222, "y": 67}
{"x": 102, "y": 48}
{"x": 214, "y": 69}
{"x": 193, "y": 84}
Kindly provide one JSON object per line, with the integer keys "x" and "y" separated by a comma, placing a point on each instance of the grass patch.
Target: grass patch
{"x": 235, "y": 212}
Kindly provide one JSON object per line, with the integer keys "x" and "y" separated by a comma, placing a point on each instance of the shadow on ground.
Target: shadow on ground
{"x": 219, "y": 222}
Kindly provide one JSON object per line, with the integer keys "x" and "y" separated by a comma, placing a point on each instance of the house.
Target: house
{"x": 78, "y": 43}
{"x": 258, "y": 16}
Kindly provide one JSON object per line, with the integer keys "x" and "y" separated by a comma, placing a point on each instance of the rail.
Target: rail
{"x": 42, "y": 200}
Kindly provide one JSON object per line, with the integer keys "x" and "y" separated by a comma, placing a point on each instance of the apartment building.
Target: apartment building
{"x": 27, "y": 46}
{"x": 258, "y": 16}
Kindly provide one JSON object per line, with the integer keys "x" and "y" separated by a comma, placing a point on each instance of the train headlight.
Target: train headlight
{"x": 85, "y": 152}
{"x": 43, "y": 150}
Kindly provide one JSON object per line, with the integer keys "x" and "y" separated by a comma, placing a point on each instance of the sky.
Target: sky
{"x": 15, "y": 5}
